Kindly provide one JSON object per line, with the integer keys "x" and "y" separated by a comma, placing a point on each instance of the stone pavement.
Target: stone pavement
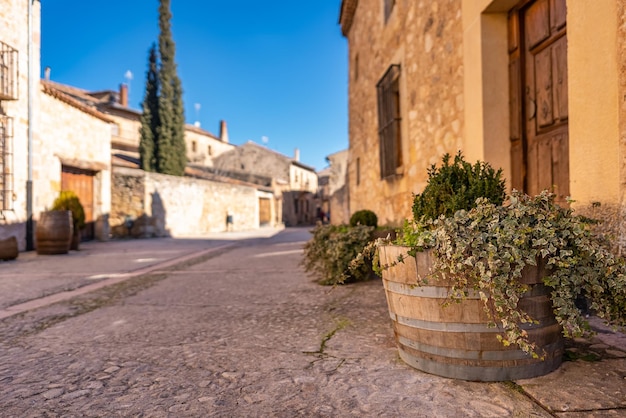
{"x": 241, "y": 331}
{"x": 32, "y": 276}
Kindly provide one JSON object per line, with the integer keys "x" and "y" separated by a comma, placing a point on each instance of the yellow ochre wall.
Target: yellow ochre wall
{"x": 455, "y": 95}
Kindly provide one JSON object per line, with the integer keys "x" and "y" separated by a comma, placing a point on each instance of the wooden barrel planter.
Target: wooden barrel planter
{"x": 8, "y": 249}
{"x": 455, "y": 341}
{"x": 54, "y": 232}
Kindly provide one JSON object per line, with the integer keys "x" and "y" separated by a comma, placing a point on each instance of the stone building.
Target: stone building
{"x": 294, "y": 184}
{"x": 56, "y": 137}
{"x": 48, "y": 141}
{"x": 333, "y": 189}
{"x": 73, "y": 152}
{"x": 202, "y": 146}
{"x": 536, "y": 87}
{"x": 338, "y": 207}
{"x": 19, "y": 32}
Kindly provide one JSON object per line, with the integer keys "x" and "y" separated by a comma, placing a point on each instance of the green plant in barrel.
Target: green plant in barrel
{"x": 68, "y": 200}
{"x": 481, "y": 246}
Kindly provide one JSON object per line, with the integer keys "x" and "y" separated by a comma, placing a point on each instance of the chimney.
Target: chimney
{"x": 296, "y": 155}
{"x": 223, "y": 132}
{"x": 46, "y": 73}
{"x": 124, "y": 95}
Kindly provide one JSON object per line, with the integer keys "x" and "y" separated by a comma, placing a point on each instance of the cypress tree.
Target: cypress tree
{"x": 150, "y": 115}
{"x": 170, "y": 143}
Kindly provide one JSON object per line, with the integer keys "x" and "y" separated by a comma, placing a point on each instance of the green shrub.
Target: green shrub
{"x": 364, "y": 217}
{"x": 68, "y": 200}
{"x": 329, "y": 253}
{"x": 456, "y": 186}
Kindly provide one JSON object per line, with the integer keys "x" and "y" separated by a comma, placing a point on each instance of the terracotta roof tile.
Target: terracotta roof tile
{"x": 52, "y": 89}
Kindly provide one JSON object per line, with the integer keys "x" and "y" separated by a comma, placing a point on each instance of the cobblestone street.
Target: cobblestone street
{"x": 241, "y": 332}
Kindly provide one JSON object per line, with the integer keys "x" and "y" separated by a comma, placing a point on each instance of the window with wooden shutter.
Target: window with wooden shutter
{"x": 388, "y": 8}
{"x": 389, "y": 130}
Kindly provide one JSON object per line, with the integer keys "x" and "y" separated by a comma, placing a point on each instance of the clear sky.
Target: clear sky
{"x": 275, "y": 70}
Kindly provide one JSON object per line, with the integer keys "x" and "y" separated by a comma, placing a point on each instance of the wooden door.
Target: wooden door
{"x": 81, "y": 182}
{"x": 265, "y": 211}
{"x": 538, "y": 91}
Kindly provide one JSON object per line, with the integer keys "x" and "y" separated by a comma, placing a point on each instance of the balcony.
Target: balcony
{"x": 8, "y": 72}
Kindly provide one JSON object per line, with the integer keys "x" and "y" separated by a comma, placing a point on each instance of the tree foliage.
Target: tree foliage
{"x": 150, "y": 115}
{"x": 162, "y": 145}
{"x": 170, "y": 133}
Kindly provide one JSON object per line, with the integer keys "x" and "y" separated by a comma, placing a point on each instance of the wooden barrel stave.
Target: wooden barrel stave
{"x": 54, "y": 232}
{"x": 455, "y": 340}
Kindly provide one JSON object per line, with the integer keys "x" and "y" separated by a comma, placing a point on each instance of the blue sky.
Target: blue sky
{"x": 274, "y": 69}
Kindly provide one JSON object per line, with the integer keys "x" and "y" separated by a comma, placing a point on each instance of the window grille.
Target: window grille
{"x": 6, "y": 163}
{"x": 389, "y": 131}
{"x": 8, "y": 72}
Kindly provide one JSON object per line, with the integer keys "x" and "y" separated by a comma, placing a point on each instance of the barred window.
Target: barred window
{"x": 388, "y": 8}
{"x": 6, "y": 163}
{"x": 9, "y": 75}
{"x": 389, "y": 122}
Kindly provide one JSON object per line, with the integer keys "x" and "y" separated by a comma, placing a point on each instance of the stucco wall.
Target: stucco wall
{"x": 183, "y": 206}
{"x": 302, "y": 179}
{"x": 594, "y": 104}
{"x": 621, "y": 50}
{"x": 14, "y": 32}
{"x": 207, "y": 147}
{"x": 126, "y": 134}
{"x": 425, "y": 38}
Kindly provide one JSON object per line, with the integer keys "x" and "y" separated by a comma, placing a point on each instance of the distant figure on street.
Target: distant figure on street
{"x": 229, "y": 221}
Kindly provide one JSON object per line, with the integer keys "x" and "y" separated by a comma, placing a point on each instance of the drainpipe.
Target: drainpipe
{"x": 31, "y": 92}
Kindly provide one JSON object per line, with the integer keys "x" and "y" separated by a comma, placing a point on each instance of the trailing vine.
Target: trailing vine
{"x": 486, "y": 248}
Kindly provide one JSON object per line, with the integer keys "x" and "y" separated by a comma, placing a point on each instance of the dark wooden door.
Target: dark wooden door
{"x": 81, "y": 182}
{"x": 538, "y": 91}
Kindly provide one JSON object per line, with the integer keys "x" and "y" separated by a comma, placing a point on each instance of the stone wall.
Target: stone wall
{"x": 338, "y": 188}
{"x": 339, "y": 212}
{"x": 180, "y": 206}
{"x": 425, "y": 39}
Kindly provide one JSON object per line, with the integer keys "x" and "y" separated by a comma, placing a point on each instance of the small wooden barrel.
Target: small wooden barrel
{"x": 455, "y": 341}
{"x": 54, "y": 232}
{"x": 8, "y": 248}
